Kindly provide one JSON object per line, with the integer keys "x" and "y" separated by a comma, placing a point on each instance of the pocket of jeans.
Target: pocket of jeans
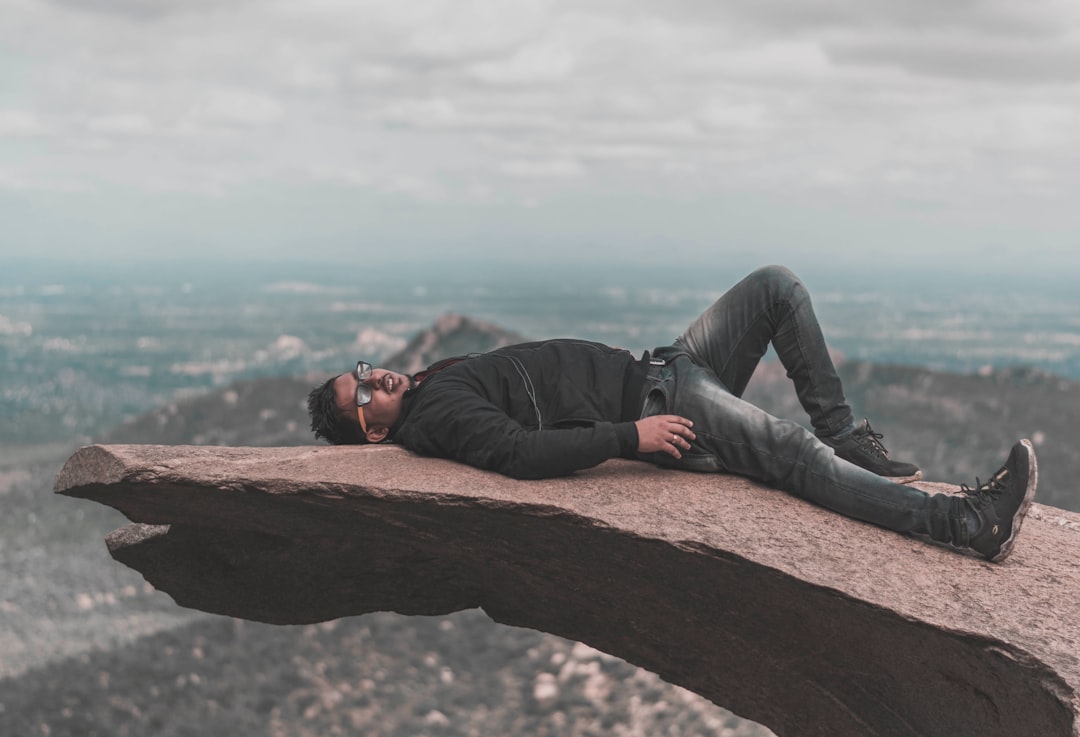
{"x": 655, "y": 403}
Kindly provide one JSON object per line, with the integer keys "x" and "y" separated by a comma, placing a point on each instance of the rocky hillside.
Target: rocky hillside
{"x": 273, "y": 411}
{"x": 451, "y": 335}
{"x": 89, "y": 650}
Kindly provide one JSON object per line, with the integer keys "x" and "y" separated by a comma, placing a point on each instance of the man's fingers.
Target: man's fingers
{"x": 677, "y": 419}
{"x": 667, "y": 433}
{"x": 679, "y": 437}
{"x": 680, "y": 428}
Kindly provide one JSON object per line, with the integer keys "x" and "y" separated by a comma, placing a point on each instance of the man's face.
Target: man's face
{"x": 387, "y": 391}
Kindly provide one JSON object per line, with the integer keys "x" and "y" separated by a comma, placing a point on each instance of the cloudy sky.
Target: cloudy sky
{"x": 866, "y": 131}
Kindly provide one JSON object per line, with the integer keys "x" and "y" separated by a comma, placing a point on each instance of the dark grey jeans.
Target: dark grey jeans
{"x": 709, "y": 367}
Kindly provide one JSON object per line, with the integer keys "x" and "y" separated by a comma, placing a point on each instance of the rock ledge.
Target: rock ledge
{"x": 783, "y": 612}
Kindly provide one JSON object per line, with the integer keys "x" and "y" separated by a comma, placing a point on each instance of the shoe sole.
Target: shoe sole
{"x": 917, "y": 476}
{"x": 1021, "y": 512}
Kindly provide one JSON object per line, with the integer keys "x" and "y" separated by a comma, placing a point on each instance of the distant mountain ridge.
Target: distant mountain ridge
{"x": 273, "y": 411}
{"x": 451, "y": 335}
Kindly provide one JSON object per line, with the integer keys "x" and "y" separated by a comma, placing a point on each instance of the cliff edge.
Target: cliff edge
{"x": 788, "y": 614}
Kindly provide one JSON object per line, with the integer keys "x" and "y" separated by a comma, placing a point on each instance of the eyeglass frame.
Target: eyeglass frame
{"x": 363, "y": 391}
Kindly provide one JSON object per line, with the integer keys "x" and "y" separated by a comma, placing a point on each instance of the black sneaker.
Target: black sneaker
{"x": 863, "y": 448}
{"x": 997, "y": 508}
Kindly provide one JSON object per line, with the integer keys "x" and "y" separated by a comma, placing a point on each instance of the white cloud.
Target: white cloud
{"x": 128, "y": 124}
{"x": 19, "y": 123}
{"x": 732, "y": 115}
{"x": 538, "y": 62}
{"x": 961, "y": 105}
{"x": 772, "y": 17}
{"x": 557, "y": 168}
{"x": 427, "y": 113}
{"x": 1018, "y": 60}
{"x": 141, "y": 10}
{"x": 235, "y": 108}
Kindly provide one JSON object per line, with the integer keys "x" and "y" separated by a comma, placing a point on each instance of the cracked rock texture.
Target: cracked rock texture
{"x": 807, "y": 622}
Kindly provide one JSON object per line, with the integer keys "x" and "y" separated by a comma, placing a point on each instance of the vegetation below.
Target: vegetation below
{"x": 87, "y": 649}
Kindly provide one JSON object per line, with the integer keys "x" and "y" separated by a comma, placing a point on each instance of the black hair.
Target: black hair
{"x": 327, "y": 419}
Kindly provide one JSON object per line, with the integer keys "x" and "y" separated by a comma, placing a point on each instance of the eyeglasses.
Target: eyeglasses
{"x": 363, "y": 391}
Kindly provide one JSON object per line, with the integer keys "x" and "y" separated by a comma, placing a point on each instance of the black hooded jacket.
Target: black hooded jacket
{"x": 533, "y": 410}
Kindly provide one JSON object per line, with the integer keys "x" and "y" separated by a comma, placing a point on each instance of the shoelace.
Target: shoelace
{"x": 872, "y": 440}
{"x": 991, "y": 488}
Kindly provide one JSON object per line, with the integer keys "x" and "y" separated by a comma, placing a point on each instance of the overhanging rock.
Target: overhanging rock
{"x": 790, "y": 615}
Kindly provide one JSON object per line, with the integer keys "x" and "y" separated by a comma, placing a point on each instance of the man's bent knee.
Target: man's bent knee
{"x": 779, "y": 280}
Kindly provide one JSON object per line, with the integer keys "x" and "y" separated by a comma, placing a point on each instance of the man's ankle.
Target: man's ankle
{"x": 839, "y": 436}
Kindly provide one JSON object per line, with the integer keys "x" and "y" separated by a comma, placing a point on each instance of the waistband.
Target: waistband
{"x": 643, "y": 375}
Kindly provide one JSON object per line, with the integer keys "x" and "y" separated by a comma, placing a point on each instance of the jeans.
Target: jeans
{"x": 709, "y": 368}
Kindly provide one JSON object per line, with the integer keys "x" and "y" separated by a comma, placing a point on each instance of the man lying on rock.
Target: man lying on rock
{"x": 549, "y": 408}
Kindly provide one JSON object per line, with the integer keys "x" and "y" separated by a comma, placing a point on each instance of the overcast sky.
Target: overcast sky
{"x": 866, "y": 131}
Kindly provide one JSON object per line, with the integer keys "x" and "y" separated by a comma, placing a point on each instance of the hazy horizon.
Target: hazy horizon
{"x": 84, "y": 346}
{"x": 712, "y": 273}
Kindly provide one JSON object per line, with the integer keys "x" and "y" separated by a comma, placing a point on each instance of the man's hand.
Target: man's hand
{"x": 665, "y": 433}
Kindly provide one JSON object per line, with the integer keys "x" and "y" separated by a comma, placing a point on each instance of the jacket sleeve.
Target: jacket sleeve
{"x": 465, "y": 427}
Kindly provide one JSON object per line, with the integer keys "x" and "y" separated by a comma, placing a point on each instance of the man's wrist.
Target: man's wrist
{"x": 627, "y": 435}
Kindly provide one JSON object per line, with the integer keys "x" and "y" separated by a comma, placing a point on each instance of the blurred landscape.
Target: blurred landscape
{"x": 211, "y": 357}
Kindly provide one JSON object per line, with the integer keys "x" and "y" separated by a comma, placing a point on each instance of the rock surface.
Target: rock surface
{"x": 807, "y": 622}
